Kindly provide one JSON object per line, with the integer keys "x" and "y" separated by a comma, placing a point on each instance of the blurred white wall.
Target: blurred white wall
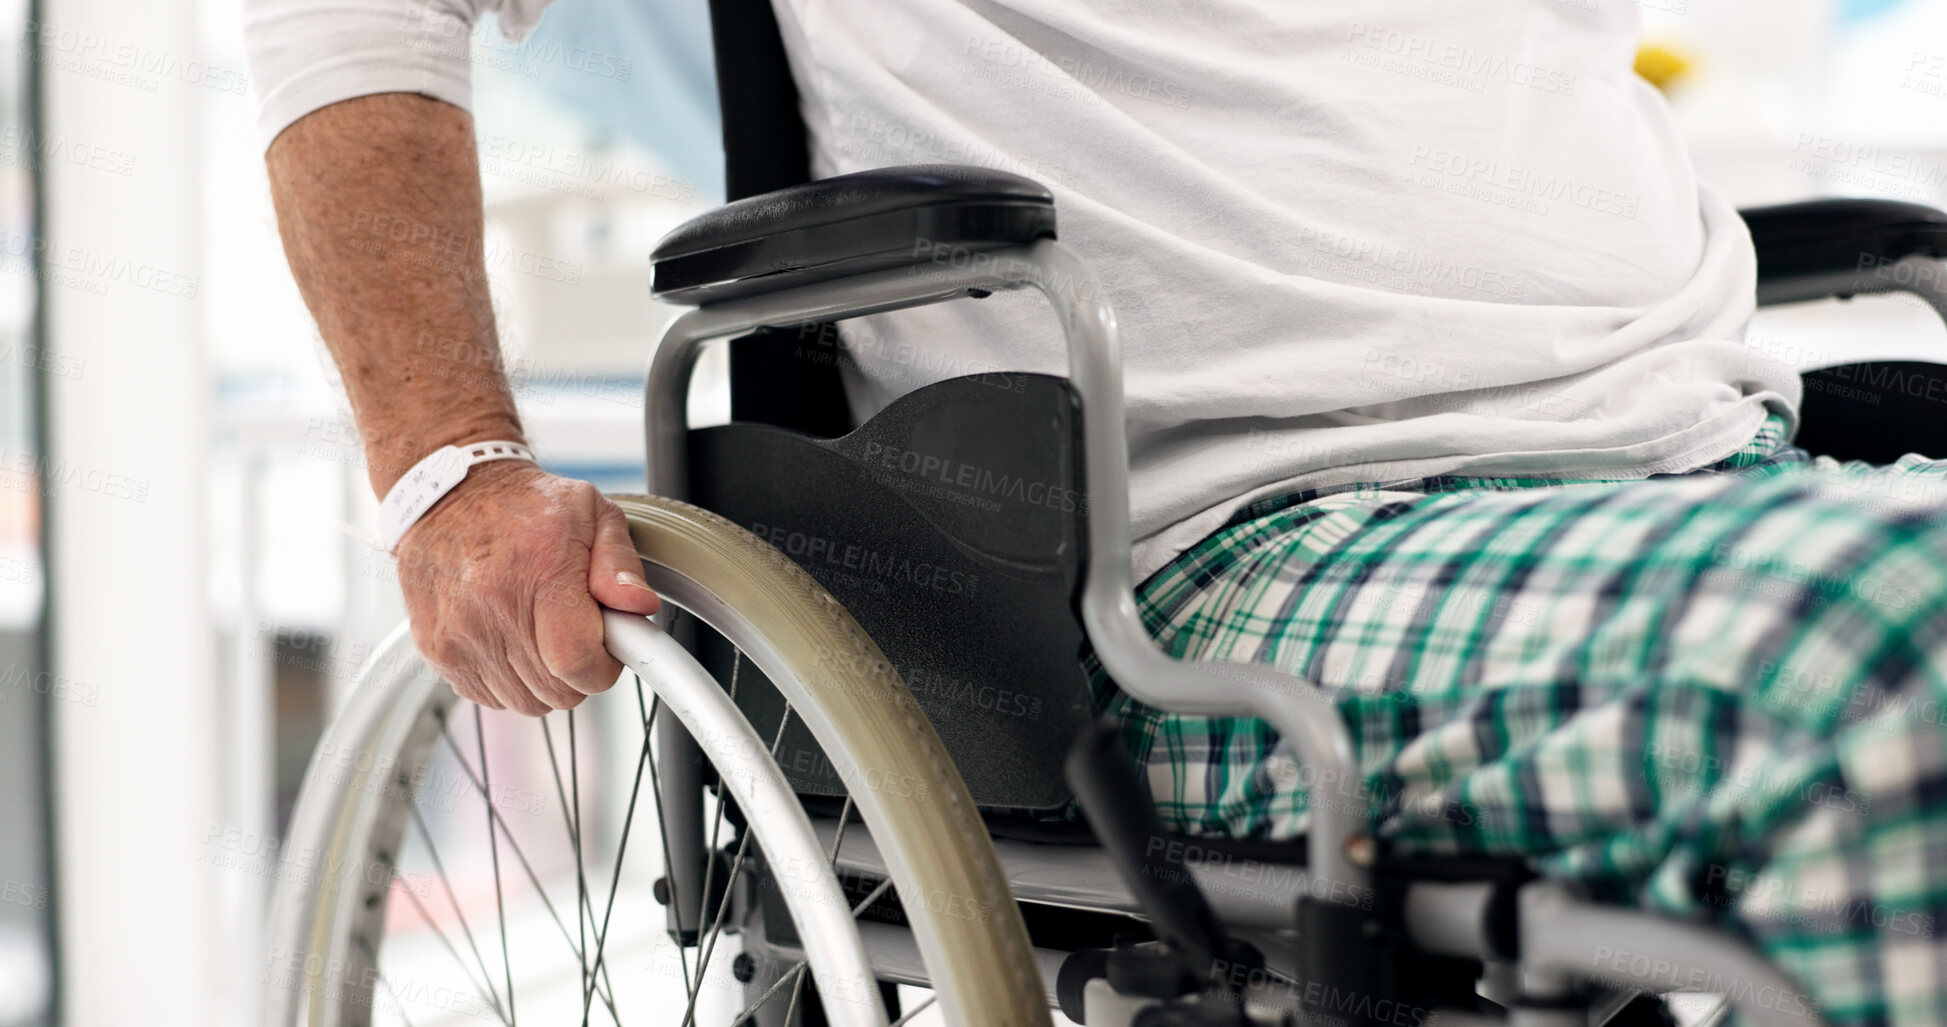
{"x": 138, "y": 770}
{"x": 1793, "y": 99}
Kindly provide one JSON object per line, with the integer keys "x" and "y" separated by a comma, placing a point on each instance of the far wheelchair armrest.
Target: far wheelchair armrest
{"x": 1843, "y": 247}
{"x": 848, "y": 225}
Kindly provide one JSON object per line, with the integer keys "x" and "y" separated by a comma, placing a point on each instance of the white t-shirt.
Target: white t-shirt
{"x": 1344, "y": 241}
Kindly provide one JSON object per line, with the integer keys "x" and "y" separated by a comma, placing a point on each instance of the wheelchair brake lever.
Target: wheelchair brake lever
{"x": 1125, "y": 821}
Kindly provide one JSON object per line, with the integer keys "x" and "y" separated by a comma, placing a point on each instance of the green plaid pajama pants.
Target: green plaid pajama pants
{"x": 1717, "y": 694}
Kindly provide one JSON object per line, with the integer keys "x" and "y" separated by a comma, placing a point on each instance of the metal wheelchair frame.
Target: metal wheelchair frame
{"x": 1559, "y": 937}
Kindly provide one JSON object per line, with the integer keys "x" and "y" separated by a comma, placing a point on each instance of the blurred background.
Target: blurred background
{"x": 178, "y": 460}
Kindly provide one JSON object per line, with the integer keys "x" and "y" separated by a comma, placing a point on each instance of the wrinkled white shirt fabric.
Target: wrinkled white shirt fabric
{"x": 1345, "y": 242}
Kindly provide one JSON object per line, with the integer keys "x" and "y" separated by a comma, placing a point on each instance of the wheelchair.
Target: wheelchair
{"x": 874, "y": 670}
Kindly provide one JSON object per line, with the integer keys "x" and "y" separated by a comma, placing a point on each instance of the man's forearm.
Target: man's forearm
{"x": 378, "y": 201}
{"x": 505, "y": 578}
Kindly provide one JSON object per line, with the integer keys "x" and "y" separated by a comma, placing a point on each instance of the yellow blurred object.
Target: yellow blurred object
{"x": 1661, "y": 65}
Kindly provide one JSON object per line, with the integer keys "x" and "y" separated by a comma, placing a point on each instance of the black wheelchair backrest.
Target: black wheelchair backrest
{"x": 952, "y": 524}
{"x": 952, "y": 527}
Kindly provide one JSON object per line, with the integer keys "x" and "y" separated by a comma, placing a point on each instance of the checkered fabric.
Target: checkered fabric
{"x": 1717, "y": 694}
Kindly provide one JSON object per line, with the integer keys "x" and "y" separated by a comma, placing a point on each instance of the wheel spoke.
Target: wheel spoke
{"x": 519, "y": 854}
{"x": 873, "y": 896}
{"x": 444, "y": 940}
{"x": 581, "y": 877}
{"x": 796, "y": 973}
{"x": 916, "y": 1010}
{"x": 615, "y": 882}
{"x": 838, "y": 839}
{"x": 723, "y": 799}
{"x": 797, "y": 970}
{"x": 453, "y": 899}
{"x": 797, "y": 992}
{"x": 593, "y": 962}
{"x": 662, "y": 829}
{"x": 573, "y": 829}
{"x": 736, "y": 866}
{"x": 493, "y": 848}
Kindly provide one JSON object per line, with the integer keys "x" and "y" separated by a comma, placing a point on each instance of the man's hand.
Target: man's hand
{"x": 502, "y": 581}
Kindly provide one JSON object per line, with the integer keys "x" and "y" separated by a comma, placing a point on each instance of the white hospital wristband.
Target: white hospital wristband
{"x": 431, "y": 479}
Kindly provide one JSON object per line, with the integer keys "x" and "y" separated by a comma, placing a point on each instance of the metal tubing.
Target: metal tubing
{"x": 1301, "y": 711}
{"x": 1450, "y": 918}
{"x": 1564, "y": 934}
{"x": 679, "y": 769}
{"x": 1925, "y": 277}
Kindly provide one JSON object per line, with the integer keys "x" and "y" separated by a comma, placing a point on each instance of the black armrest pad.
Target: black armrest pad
{"x": 847, "y": 225}
{"x": 1822, "y": 237}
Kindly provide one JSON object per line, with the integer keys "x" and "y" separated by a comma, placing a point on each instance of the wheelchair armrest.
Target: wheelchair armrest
{"x": 847, "y": 225}
{"x": 1840, "y": 247}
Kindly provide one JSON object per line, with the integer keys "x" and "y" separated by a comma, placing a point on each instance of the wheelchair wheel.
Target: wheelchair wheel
{"x": 446, "y": 864}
